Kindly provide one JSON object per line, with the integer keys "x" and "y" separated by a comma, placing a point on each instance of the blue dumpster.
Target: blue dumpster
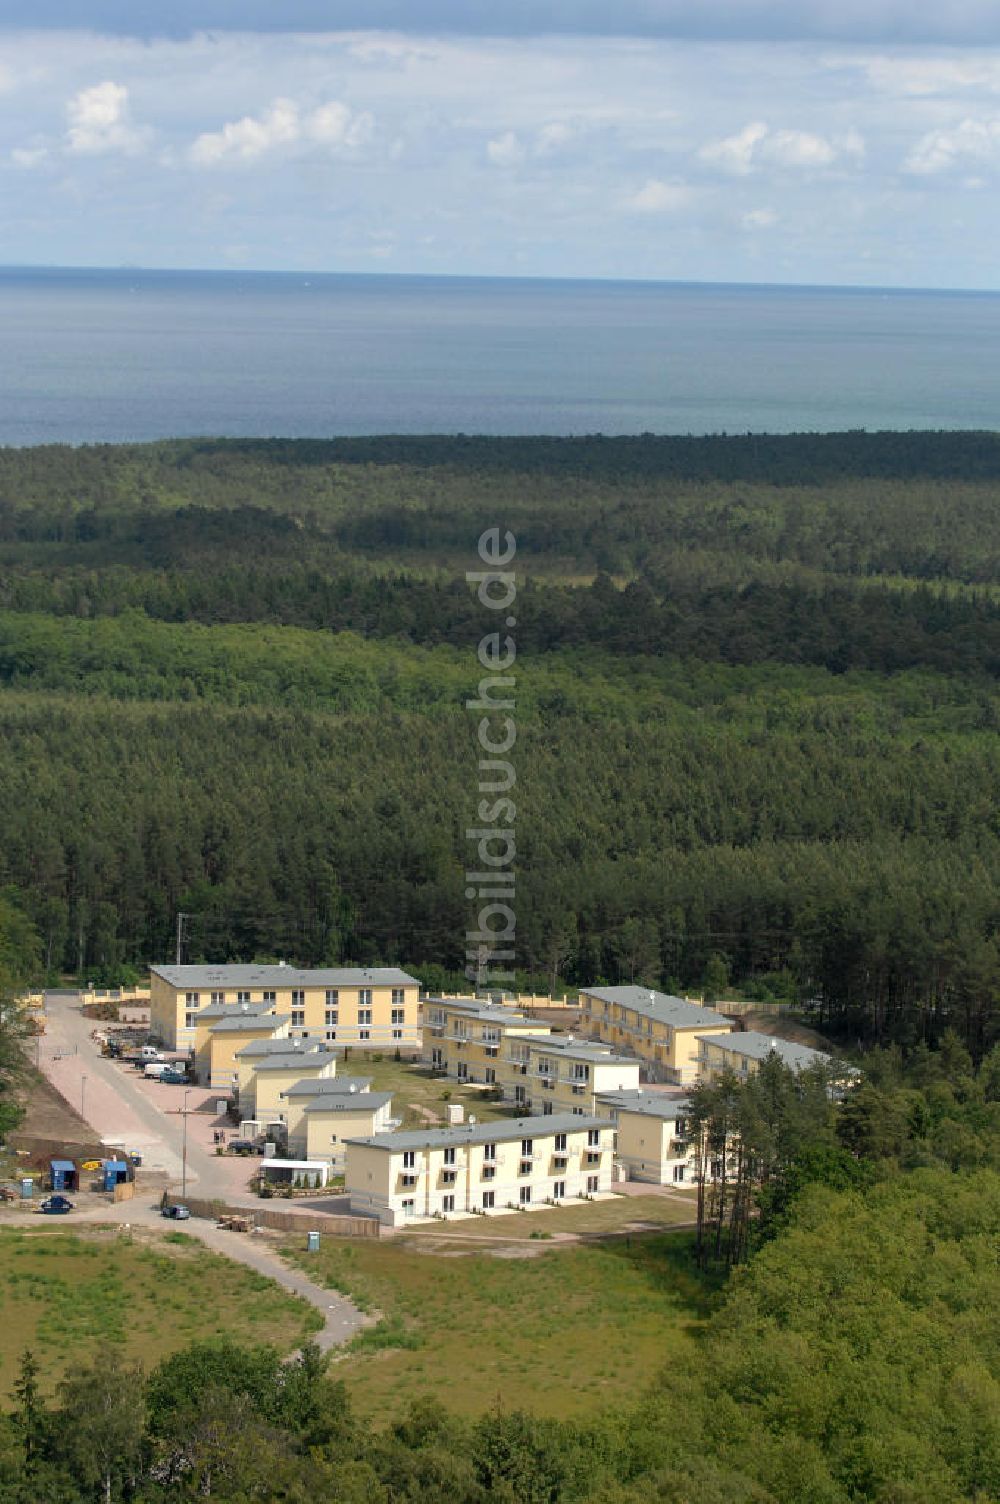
{"x": 115, "y": 1172}
{"x": 62, "y": 1173}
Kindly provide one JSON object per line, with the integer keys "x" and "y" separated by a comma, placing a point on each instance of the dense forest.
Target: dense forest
{"x": 853, "y": 1357}
{"x": 756, "y": 705}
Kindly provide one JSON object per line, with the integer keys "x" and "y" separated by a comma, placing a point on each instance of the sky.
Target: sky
{"x": 810, "y": 141}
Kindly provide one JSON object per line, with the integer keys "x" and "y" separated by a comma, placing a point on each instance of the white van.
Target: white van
{"x": 149, "y": 1052}
{"x": 156, "y": 1068}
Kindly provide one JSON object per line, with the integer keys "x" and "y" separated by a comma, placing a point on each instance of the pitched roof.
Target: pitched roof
{"x": 291, "y": 1060}
{"x": 662, "y": 1007}
{"x": 501, "y": 1130}
{"x": 753, "y": 1045}
{"x": 283, "y": 976}
{"x": 333, "y": 1086}
{"x": 647, "y": 1104}
{"x": 351, "y": 1101}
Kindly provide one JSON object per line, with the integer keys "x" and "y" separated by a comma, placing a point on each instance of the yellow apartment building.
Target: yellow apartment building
{"x": 743, "y": 1054}
{"x": 466, "y": 1038}
{"x": 332, "y": 1118}
{"x": 479, "y": 1167}
{"x": 298, "y": 1097}
{"x": 263, "y": 1101}
{"x": 663, "y": 1031}
{"x": 222, "y": 1031}
{"x": 374, "y": 1008}
{"x": 651, "y": 1141}
{"x": 279, "y": 1044}
{"x": 561, "y": 1074}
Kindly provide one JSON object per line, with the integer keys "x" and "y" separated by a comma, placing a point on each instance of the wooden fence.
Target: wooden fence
{"x": 290, "y": 1219}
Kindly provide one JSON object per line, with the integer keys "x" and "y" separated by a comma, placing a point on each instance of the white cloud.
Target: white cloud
{"x": 249, "y": 137}
{"x": 29, "y": 156}
{"x": 658, "y": 197}
{"x": 971, "y": 141}
{"x": 553, "y": 137}
{"x": 736, "y": 153}
{"x": 759, "y": 219}
{"x": 99, "y": 121}
{"x": 336, "y": 125}
{"x": 756, "y": 145}
{"x": 505, "y": 150}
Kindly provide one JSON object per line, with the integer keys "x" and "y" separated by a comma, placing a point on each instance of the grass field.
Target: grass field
{"x": 613, "y": 1216}
{"x": 561, "y": 1333}
{"x": 413, "y": 1088}
{"x": 67, "y": 1295}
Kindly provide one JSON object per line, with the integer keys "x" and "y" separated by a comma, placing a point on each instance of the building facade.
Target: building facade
{"x": 557, "y": 1073}
{"x": 349, "y": 1007}
{"x": 467, "y": 1038}
{"x": 479, "y": 1168}
{"x": 651, "y": 1140}
{"x": 663, "y": 1031}
{"x": 264, "y": 1097}
{"x": 305, "y": 1091}
{"x": 743, "y": 1054}
{"x": 331, "y": 1119}
{"x": 222, "y": 1031}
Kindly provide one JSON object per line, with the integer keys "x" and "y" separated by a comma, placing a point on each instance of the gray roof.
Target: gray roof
{"x": 248, "y": 1023}
{"x": 351, "y": 1101}
{"x": 283, "y": 976}
{"x": 503, "y": 1130}
{"x": 258, "y": 1047}
{"x": 471, "y": 1007}
{"x": 581, "y": 1049}
{"x": 648, "y": 1104}
{"x": 329, "y": 1086}
{"x": 234, "y": 1010}
{"x": 756, "y": 1046}
{"x": 661, "y": 1006}
{"x": 306, "y": 1060}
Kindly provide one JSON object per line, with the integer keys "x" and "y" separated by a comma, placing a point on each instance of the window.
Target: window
{"x": 489, "y": 1171}
{"x": 398, "y": 997}
{"x": 593, "y": 1184}
{"x": 407, "y": 1206}
{"x": 520, "y": 1095}
{"x": 447, "y": 1203}
{"x": 489, "y": 1151}
{"x": 364, "y": 997}
{"x": 409, "y": 1158}
{"x": 527, "y": 1146}
{"x": 489, "y": 1200}
{"x": 333, "y": 1138}
{"x": 449, "y": 1156}
{"x": 270, "y": 997}
{"x": 218, "y": 997}
{"x": 298, "y": 1018}
{"x": 490, "y": 1075}
{"x": 581, "y": 1073}
{"x": 525, "y": 1195}
{"x": 560, "y": 1144}
{"x": 333, "y": 1015}
{"x": 331, "y": 1034}
{"x": 244, "y": 997}
{"x": 190, "y": 1020}
{"x": 578, "y": 1112}
{"x": 192, "y": 999}
{"x": 679, "y": 1172}
{"x": 398, "y": 1016}
{"x": 397, "y": 1033}
{"x": 449, "y": 1176}
{"x": 679, "y": 1127}
{"x": 364, "y": 1033}
{"x": 558, "y": 1190}
{"x": 364, "y": 1015}
{"x": 332, "y": 997}
{"x": 594, "y": 1138}
{"x": 546, "y": 1109}
{"x": 437, "y": 1057}
{"x": 298, "y": 998}
{"x": 462, "y": 1071}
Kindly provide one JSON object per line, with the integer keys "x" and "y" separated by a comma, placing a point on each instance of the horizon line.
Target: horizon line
{"x": 253, "y": 271}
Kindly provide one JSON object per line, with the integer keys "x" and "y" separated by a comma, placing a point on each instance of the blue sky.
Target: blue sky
{"x": 751, "y": 140}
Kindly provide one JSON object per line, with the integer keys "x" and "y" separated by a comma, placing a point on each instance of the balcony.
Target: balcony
{"x": 489, "y": 1172}
{"x": 560, "y": 1159}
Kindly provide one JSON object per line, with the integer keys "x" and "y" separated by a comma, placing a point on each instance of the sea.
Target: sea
{"x": 98, "y": 356}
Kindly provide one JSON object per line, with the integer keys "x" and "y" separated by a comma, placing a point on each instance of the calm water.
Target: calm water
{"x": 92, "y": 356}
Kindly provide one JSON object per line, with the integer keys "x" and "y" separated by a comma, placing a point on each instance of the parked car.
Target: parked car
{"x": 56, "y": 1206}
{"x": 174, "y": 1078}
{"x": 177, "y": 1210}
{"x": 243, "y": 1146}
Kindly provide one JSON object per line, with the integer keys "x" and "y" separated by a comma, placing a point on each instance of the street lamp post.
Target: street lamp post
{"x": 184, "y": 1147}
{"x": 83, "y": 1096}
